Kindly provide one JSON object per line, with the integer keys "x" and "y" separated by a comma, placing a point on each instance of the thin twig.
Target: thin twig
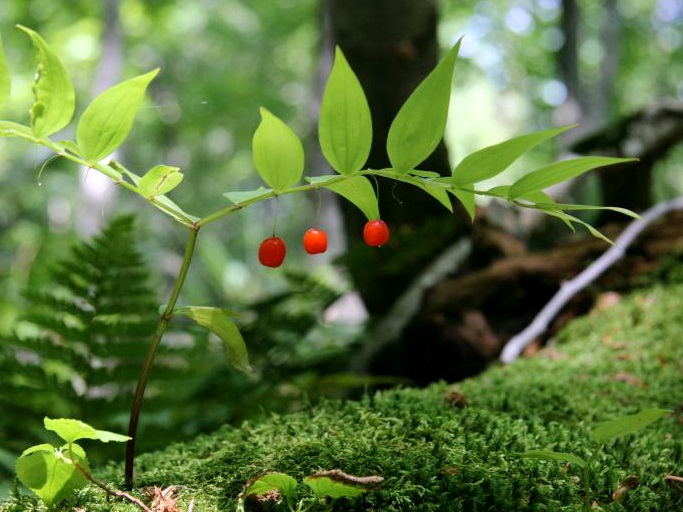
{"x": 111, "y": 492}
{"x": 568, "y": 289}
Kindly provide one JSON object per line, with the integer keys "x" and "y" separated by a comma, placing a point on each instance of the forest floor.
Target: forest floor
{"x": 456, "y": 447}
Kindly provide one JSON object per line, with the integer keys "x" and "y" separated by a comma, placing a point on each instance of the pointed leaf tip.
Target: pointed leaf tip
{"x": 277, "y": 152}
{"x": 420, "y": 123}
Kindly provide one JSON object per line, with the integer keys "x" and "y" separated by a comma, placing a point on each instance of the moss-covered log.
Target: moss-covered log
{"x": 437, "y": 452}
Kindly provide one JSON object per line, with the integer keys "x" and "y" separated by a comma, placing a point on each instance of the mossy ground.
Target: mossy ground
{"x": 436, "y": 456}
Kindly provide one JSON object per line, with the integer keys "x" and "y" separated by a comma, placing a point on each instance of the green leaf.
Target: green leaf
{"x": 344, "y": 125}
{"x": 4, "y": 77}
{"x": 560, "y": 171}
{"x": 238, "y": 197}
{"x": 359, "y": 191}
{"x": 277, "y": 152}
{"x": 280, "y": 481}
{"x": 160, "y": 180}
{"x": 71, "y": 430}
{"x": 106, "y": 122}
{"x": 466, "y": 198}
{"x": 42, "y": 469}
{"x": 627, "y": 424}
{"x": 582, "y": 207}
{"x": 324, "y": 486}
{"x": 55, "y": 100}
{"x": 550, "y": 455}
{"x": 491, "y": 161}
{"x": 218, "y": 322}
{"x": 419, "y": 125}
{"x": 10, "y": 129}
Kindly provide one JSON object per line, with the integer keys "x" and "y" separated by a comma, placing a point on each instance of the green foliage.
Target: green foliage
{"x": 53, "y": 473}
{"x": 419, "y": 125}
{"x": 54, "y": 94}
{"x": 4, "y": 77}
{"x": 344, "y": 124}
{"x": 357, "y": 189}
{"x": 160, "y": 180}
{"x": 82, "y": 339}
{"x": 627, "y": 424}
{"x": 106, "y": 122}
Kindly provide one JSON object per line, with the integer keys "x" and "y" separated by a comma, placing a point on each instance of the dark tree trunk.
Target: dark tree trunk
{"x": 392, "y": 46}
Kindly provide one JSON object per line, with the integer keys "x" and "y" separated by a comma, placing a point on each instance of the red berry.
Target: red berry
{"x": 315, "y": 241}
{"x": 271, "y": 252}
{"x": 375, "y": 233}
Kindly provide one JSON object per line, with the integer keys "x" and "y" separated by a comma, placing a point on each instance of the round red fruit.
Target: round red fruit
{"x": 375, "y": 233}
{"x": 315, "y": 241}
{"x": 271, "y": 252}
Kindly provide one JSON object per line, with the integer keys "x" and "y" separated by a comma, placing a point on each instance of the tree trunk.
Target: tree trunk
{"x": 392, "y": 46}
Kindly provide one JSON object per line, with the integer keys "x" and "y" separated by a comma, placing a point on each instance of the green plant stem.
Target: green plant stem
{"x": 148, "y": 363}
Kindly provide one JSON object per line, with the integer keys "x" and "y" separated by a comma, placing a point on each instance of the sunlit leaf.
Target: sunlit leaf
{"x": 106, "y": 122}
{"x": 491, "y": 161}
{"x": 560, "y": 171}
{"x": 280, "y": 481}
{"x": 277, "y": 152}
{"x": 160, "y": 180}
{"x": 627, "y": 424}
{"x": 4, "y": 77}
{"x": 356, "y": 189}
{"x": 344, "y": 125}
{"x": 551, "y": 455}
{"x": 218, "y": 322}
{"x": 55, "y": 100}
{"x": 466, "y": 198}
{"x": 10, "y": 129}
{"x": 419, "y": 125}
{"x": 242, "y": 196}
{"x": 71, "y": 430}
{"x": 49, "y": 476}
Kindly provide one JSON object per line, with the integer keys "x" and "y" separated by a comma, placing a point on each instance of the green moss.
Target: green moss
{"x": 434, "y": 456}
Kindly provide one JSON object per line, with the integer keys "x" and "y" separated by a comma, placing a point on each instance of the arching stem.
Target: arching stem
{"x": 148, "y": 363}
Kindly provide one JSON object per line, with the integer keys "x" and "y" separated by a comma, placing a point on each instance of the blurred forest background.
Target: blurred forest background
{"x": 525, "y": 65}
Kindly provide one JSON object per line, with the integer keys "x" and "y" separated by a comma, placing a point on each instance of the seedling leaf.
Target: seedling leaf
{"x": 419, "y": 125}
{"x": 327, "y": 487}
{"x": 551, "y": 455}
{"x": 55, "y": 99}
{"x": 491, "y": 161}
{"x": 280, "y": 481}
{"x": 627, "y": 424}
{"x": 160, "y": 180}
{"x": 43, "y": 469}
{"x": 218, "y": 322}
{"x": 277, "y": 152}
{"x": 344, "y": 125}
{"x": 106, "y": 122}
{"x": 560, "y": 171}
{"x": 71, "y": 430}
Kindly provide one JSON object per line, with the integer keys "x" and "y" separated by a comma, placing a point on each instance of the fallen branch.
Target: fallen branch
{"x": 514, "y": 347}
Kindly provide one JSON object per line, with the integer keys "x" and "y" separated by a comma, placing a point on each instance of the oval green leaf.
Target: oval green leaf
{"x": 419, "y": 125}
{"x": 436, "y": 191}
{"x": 160, "y": 180}
{"x": 280, "y": 481}
{"x": 106, "y": 122}
{"x": 466, "y": 198}
{"x": 71, "y": 430}
{"x": 560, "y": 171}
{"x": 627, "y": 424}
{"x": 55, "y": 99}
{"x": 50, "y": 477}
{"x": 218, "y": 322}
{"x": 492, "y": 160}
{"x": 10, "y": 129}
{"x": 277, "y": 152}
{"x": 550, "y": 455}
{"x": 359, "y": 191}
{"x": 344, "y": 125}
{"x": 331, "y": 487}
{"x": 247, "y": 196}
{"x": 4, "y": 77}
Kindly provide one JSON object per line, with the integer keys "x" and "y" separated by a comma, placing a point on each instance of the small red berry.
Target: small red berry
{"x": 271, "y": 252}
{"x": 315, "y": 241}
{"x": 375, "y": 233}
